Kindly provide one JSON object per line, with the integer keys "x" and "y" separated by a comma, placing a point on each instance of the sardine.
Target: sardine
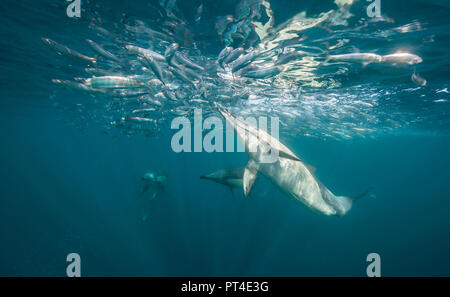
{"x": 287, "y": 57}
{"x": 101, "y": 51}
{"x": 181, "y": 75}
{"x": 101, "y": 72}
{"x": 234, "y": 54}
{"x": 72, "y": 85}
{"x": 418, "y": 79}
{"x": 138, "y": 120}
{"x": 362, "y": 58}
{"x": 246, "y": 69}
{"x": 64, "y": 50}
{"x": 142, "y": 51}
{"x": 223, "y": 55}
{"x": 244, "y": 60}
{"x": 170, "y": 53}
{"x": 113, "y": 82}
{"x": 402, "y": 58}
{"x": 264, "y": 72}
{"x": 153, "y": 65}
{"x": 183, "y": 60}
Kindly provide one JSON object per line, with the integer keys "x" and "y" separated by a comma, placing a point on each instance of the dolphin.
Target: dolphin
{"x": 230, "y": 177}
{"x": 153, "y": 179}
{"x": 156, "y": 182}
{"x": 284, "y": 170}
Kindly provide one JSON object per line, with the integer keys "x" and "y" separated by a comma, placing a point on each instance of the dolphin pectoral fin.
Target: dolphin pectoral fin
{"x": 250, "y": 174}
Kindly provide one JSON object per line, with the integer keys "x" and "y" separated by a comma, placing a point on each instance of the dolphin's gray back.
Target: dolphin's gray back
{"x": 234, "y": 173}
{"x": 224, "y": 174}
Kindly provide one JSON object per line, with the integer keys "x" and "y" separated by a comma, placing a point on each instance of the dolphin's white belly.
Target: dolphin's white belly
{"x": 295, "y": 180}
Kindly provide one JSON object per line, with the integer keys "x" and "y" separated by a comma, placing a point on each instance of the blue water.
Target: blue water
{"x": 70, "y": 175}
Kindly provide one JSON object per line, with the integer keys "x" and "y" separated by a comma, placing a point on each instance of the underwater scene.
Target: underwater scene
{"x": 233, "y": 138}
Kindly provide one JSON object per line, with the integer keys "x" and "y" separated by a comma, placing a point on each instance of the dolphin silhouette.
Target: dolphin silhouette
{"x": 230, "y": 177}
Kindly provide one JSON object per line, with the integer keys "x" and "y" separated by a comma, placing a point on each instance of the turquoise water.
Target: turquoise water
{"x": 72, "y": 162}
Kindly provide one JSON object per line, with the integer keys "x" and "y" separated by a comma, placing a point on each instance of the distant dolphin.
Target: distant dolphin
{"x": 153, "y": 179}
{"x": 230, "y": 177}
{"x": 156, "y": 183}
{"x": 290, "y": 174}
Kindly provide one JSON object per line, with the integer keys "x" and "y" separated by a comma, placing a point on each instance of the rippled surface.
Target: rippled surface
{"x": 311, "y": 97}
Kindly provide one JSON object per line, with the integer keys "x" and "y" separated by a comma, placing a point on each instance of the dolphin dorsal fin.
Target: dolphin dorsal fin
{"x": 250, "y": 174}
{"x": 286, "y": 155}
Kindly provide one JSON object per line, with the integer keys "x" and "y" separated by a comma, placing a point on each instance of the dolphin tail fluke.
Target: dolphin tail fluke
{"x": 206, "y": 177}
{"x": 362, "y": 195}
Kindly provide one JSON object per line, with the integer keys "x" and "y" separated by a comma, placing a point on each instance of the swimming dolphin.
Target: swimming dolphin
{"x": 156, "y": 182}
{"x": 231, "y": 177}
{"x": 152, "y": 178}
{"x": 286, "y": 171}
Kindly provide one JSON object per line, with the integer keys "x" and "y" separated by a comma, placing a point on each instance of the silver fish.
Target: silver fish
{"x": 181, "y": 75}
{"x": 287, "y": 56}
{"x": 138, "y": 120}
{"x": 98, "y": 72}
{"x": 264, "y": 72}
{"x": 402, "y": 58}
{"x": 234, "y": 54}
{"x": 418, "y": 79}
{"x": 224, "y": 54}
{"x": 363, "y": 58}
{"x": 246, "y": 69}
{"x": 244, "y": 60}
{"x": 183, "y": 60}
{"x": 113, "y": 82}
{"x": 170, "y": 53}
{"x": 154, "y": 66}
{"x": 142, "y": 51}
{"x": 72, "y": 85}
{"x": 101, "y": 51}
{"x": 64, "y": 50}
{"x": 192, "y": 73}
